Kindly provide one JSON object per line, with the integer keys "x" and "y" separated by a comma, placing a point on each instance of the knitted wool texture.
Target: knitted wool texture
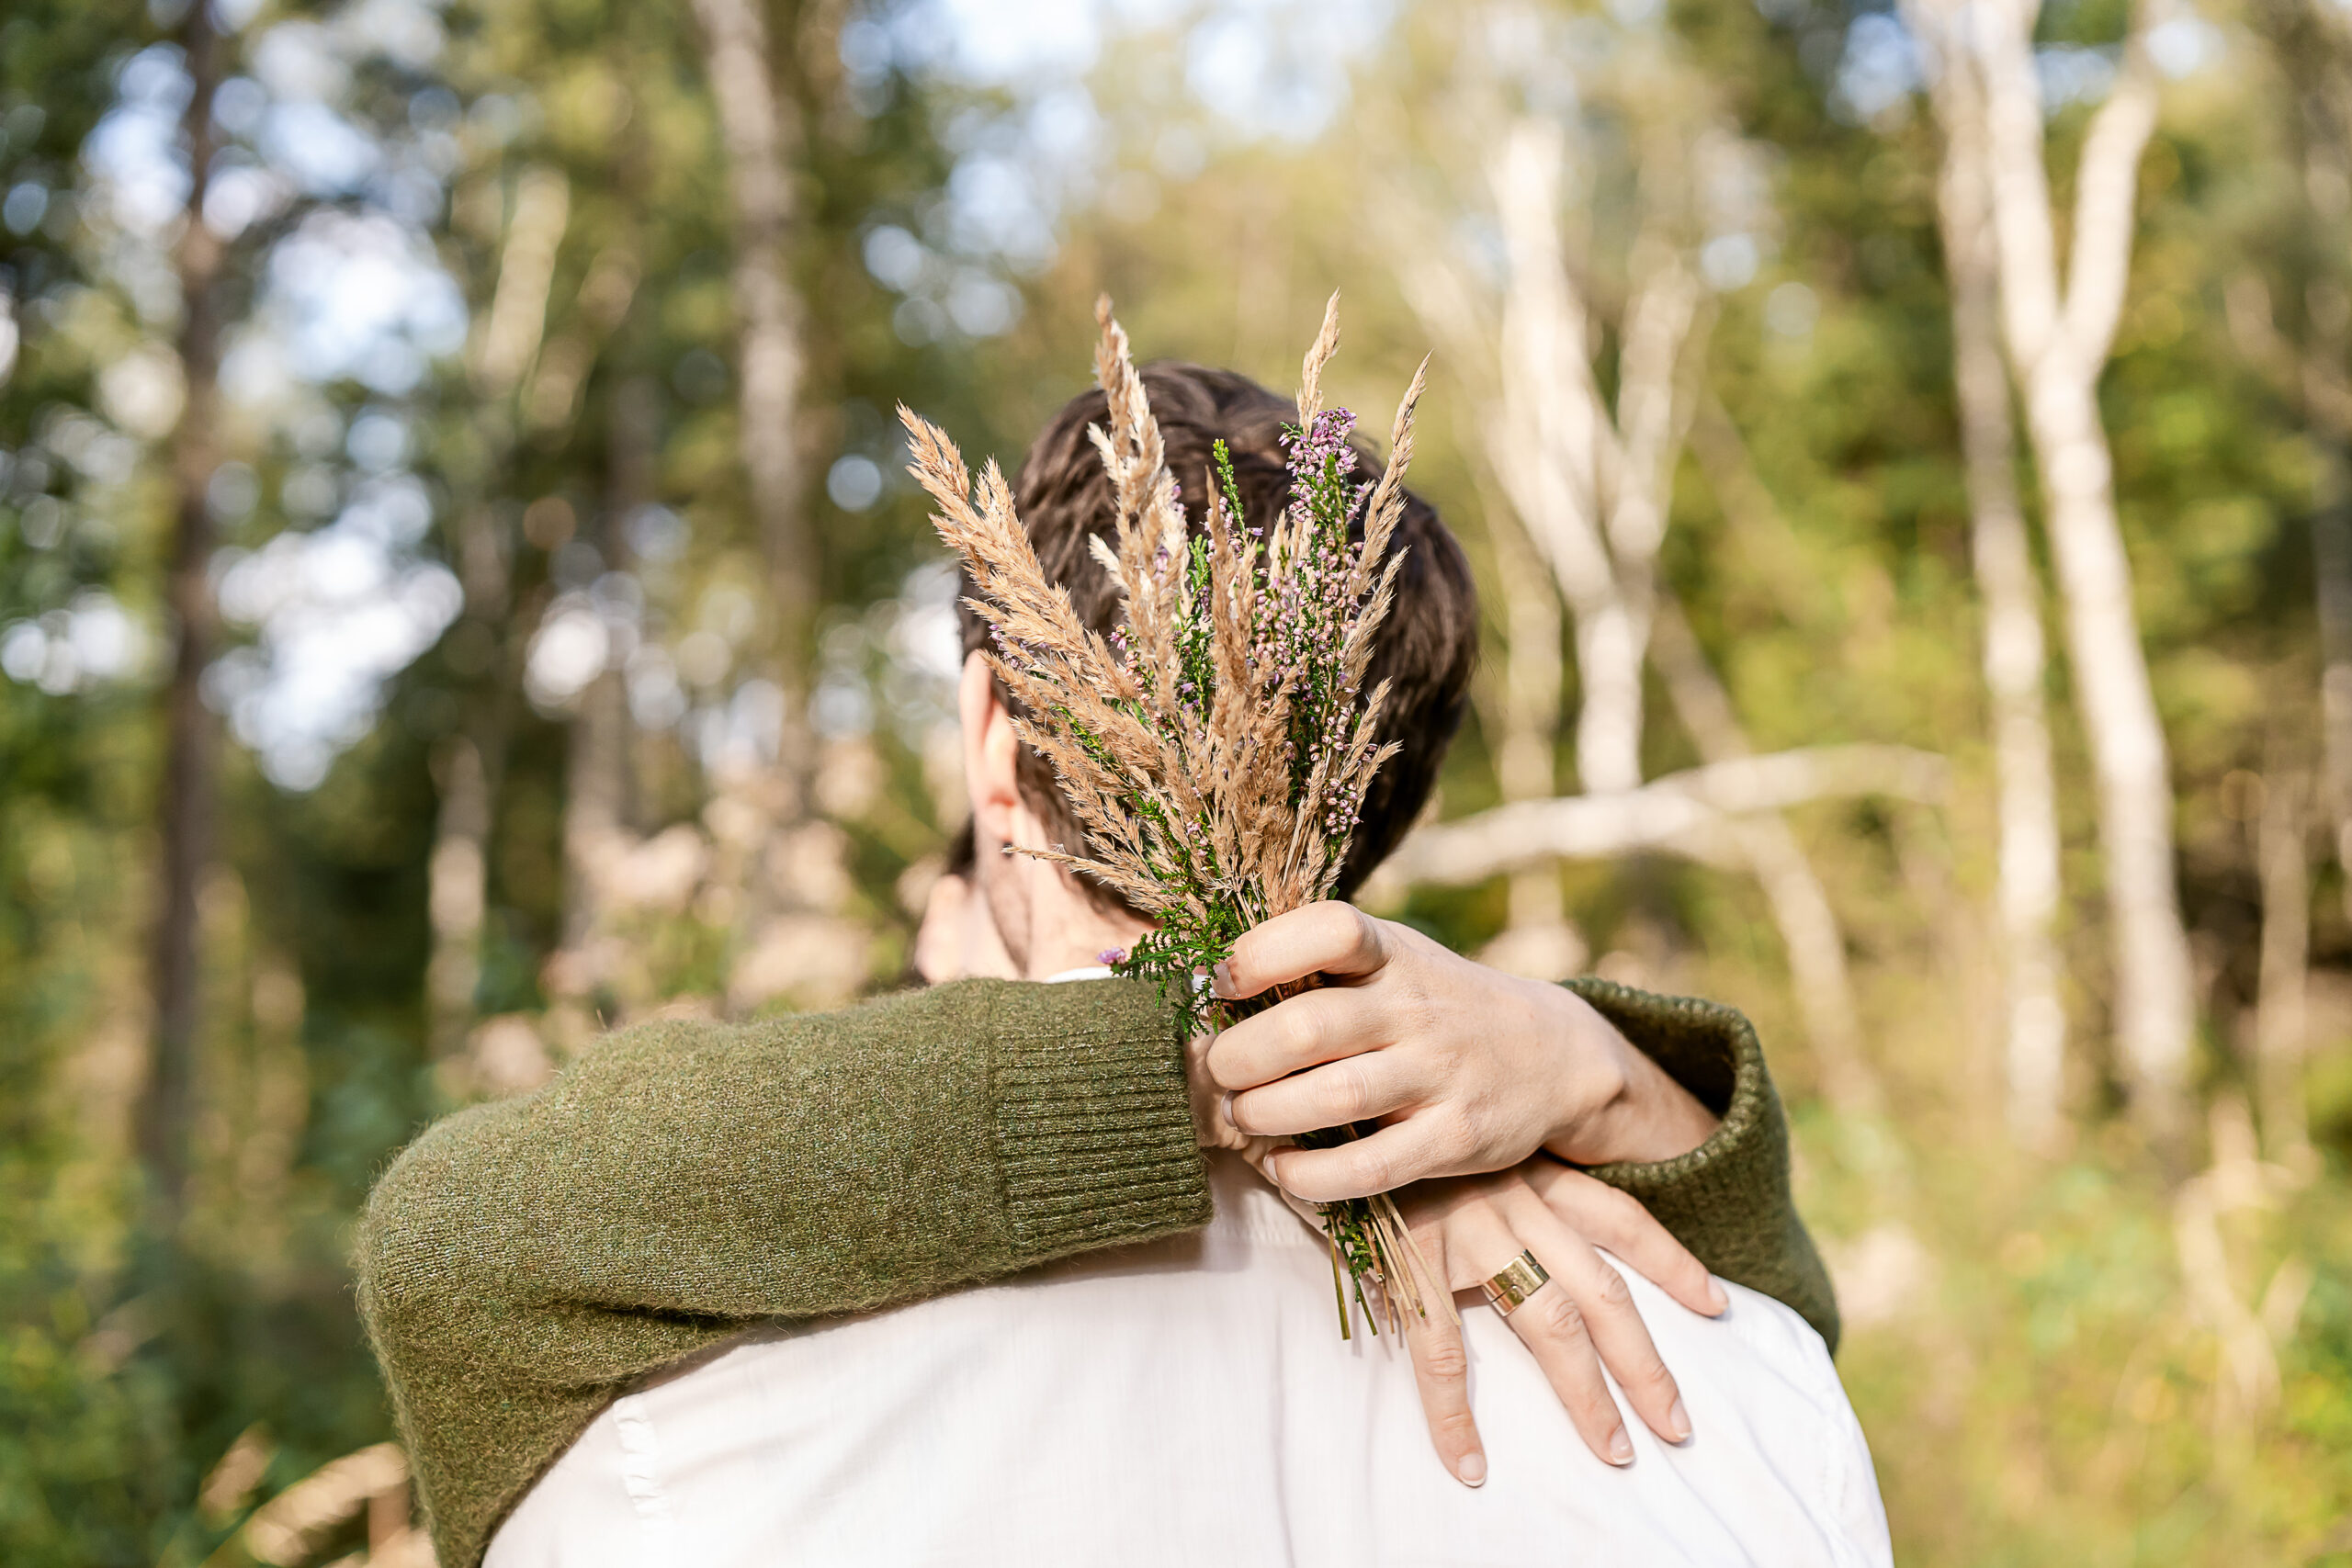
{"x": 1727, "y": 1200}
{"x": 523, "y": 1262}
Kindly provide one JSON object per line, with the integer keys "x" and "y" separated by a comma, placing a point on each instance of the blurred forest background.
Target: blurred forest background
{"x": 458, "y": 592}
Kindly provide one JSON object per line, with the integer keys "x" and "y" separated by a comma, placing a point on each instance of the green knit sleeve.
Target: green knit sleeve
{"x": 522, "y": 1261}
{"x": 1728, "y": 1200}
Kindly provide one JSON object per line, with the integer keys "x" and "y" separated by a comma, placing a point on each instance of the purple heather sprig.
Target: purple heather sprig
{"x": 1216, "y": 744}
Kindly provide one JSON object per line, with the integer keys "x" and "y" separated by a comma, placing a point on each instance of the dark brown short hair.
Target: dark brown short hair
{"x": 1425, "y": 650}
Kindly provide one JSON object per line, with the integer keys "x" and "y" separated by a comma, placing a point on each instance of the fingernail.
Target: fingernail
{"x": 1715, "y": 1297}
{"x": 1221, "y": 982}
{"x": 1472, "y": 1470}
{"x": 1621, "y": 1448}
{"x": 1678, "y": 1421}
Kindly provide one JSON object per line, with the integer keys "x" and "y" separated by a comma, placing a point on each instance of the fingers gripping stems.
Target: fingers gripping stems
{"x": 1330, "y": 939}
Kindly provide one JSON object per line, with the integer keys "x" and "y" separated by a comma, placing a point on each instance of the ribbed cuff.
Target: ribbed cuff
{"x": 1093, "y": 1125}
{"x": 1728, "y": 1200}
{"x": 1712, "y": 1051}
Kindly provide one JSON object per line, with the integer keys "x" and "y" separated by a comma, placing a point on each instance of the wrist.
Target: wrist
{"x": 1626, "y": 1109}
{"x": 1595, "y": 1076}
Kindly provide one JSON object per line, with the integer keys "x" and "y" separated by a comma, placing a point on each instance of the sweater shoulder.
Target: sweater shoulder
{"x": 421, "y": 1237}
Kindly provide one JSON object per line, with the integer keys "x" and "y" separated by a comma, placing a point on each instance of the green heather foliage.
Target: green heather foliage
{"x": 2037, "y": 1347}
{"x": 1217, "y": 744}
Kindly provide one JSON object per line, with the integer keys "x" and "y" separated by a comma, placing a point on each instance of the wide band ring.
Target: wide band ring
{"x": 1519, "y": 1280}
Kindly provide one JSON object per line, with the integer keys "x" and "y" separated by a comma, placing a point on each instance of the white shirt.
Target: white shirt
{"x": 1190, "y": 1401}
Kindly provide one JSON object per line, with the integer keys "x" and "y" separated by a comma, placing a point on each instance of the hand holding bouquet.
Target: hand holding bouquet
{"x": 1216, "y": 747}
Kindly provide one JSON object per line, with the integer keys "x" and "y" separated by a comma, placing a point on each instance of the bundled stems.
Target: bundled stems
{"x": 1217, "y": 746}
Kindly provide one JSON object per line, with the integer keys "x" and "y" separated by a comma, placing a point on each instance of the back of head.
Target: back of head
{"x": 1425, "y": 649}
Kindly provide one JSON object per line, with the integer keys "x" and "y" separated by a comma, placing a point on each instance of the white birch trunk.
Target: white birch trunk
{"x": 1537, "y": 939}
{"x": 1531, "y": 674}
{"x": 1592, "y": 487}
{"x": 1810, "y": 931}
{"x": 1546, "y": 450}
{"x": 2058, "y": 342}
{"x": 2027, "y": 883}
{"x": 1594, "y": 491}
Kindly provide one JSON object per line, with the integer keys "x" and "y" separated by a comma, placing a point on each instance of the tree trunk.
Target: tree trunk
{"x": 598, "y": 787}
{"x": 2058, "y": 342}
{"x": 1809, "y": 927}
{"x": 470, "y": 764}
{"x": 468, "y": 769}
{"x": 2331, "y": 561}
{"x": 517, "y": 317}
{"x": 2028, "y": 886}
{"x": 2313, "y": 51}
{"x": 2279, "y": 1006}
{"x": 595, "y": 810}
{"x": 2014, "y": 659}
{"x": 2154, "y": 999}
{"x": 761, "y": 138}
{"x": 190, "y": 737}
{"x": 1592, "y": 489}
{"x": 1537, "y": 939}
{"x": 457, "y": 895}
{"x": 1532, "y": 682}
{"x": 2320, "y": 379}
{"x": 1546, "y": 452}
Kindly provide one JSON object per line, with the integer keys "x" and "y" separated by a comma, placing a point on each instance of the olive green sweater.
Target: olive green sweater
{"x": 523, "y": 1261}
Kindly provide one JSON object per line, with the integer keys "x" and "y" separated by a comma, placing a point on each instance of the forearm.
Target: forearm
{"x": 522, "y": 1262}
{"x": 802, "y": 1165}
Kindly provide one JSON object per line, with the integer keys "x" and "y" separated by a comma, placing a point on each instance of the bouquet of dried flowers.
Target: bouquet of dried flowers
{"x": 1218, "y": 743}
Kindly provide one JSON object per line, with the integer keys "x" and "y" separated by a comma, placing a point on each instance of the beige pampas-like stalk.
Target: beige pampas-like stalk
{"x": 1216, "y": 747}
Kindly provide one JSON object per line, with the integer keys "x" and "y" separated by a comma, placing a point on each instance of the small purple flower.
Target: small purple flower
{"x": 1112, "y": 955}
{"x": 1325, "y": 439}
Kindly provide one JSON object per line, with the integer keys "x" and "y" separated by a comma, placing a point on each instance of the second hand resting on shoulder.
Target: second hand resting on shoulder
{"x": 1484, "y": 1084}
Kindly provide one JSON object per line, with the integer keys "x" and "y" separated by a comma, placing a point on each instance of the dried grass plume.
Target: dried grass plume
{"x": 1217, "y": 745}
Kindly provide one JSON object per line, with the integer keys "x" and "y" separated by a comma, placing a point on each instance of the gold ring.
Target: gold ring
{"x": 1519, "y": 1280}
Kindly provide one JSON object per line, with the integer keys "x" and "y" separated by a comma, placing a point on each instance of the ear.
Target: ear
{"x": 989, "y": 750}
